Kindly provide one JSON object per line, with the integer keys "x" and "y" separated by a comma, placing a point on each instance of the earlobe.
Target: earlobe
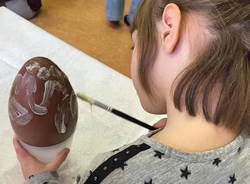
{"x": 171, "y": 19}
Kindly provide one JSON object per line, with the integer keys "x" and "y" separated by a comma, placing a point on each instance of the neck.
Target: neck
{"x": 192, "y": 134}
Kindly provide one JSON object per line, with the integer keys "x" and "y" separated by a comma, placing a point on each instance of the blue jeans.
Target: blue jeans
{"x": 115, "y": 9}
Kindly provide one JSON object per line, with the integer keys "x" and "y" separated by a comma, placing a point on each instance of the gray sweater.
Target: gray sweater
{"x": 146, "y": 161}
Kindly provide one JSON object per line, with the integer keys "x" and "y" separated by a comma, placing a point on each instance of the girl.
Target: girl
{"x": 191, "y": 60}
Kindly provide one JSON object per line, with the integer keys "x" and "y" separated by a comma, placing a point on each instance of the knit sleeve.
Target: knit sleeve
{"x": 43, "y": 178}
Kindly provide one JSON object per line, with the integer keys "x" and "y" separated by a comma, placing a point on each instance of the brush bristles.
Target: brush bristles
{"x": 85, "y": 98}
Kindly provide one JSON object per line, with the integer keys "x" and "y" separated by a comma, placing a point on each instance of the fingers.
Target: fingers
{"x": 24, "y": 157}
{"x": 30, "y": 165}
{"x": 59, "y": 159}
{"x": 161, "y": 123}
{"x": 22, "y": 154}
{"x": 20, "y": 151}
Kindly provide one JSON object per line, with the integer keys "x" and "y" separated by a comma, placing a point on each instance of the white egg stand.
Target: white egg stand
{"x": 47, "y": 154}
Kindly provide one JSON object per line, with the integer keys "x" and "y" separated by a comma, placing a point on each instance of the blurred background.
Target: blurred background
{"x": 83, "y": 24}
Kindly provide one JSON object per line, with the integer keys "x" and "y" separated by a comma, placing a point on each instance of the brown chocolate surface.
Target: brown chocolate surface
{"x": 42, "y": 106}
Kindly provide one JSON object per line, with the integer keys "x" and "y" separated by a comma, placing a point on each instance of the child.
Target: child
{"x": 191, "y": 60}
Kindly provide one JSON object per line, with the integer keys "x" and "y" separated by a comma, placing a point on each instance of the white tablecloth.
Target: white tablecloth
{"x": 97, "y": 131}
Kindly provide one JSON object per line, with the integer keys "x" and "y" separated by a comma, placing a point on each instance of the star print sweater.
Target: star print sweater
{"x": 146, "y": 161}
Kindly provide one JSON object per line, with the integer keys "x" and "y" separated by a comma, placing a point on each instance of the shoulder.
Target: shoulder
{"x": 114, "y": 159}
{"x": 131, "y": 151}
{"x": 121, "y": 163}
{"x": 102, "y": 157}
{"x": 247, "y": 138}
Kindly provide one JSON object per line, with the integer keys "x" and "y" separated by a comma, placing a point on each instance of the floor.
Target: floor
{"x": 83, "y": 24}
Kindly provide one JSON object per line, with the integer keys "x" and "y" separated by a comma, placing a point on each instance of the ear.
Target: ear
{"x": 171, "y": 19}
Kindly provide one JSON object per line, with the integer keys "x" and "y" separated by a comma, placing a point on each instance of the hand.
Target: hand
{"x": 161, "y": 123}
{"x": 30, "y": 165}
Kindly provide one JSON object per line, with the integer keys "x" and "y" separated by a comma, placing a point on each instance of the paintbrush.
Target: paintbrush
{"x": 114, "y": 111}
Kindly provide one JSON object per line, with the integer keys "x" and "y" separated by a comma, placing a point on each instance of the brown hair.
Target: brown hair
{"x": 225, "y": 61}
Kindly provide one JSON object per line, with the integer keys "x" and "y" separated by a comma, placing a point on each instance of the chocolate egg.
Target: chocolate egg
{"x": 43, "y": 107}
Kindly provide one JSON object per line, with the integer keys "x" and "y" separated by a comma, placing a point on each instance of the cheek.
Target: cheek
{"x": 145, "y": 102}
{"x": 133, "y": 66}
{"x": 135, "y": 76}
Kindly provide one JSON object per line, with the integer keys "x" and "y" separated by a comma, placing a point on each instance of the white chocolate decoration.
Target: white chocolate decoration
{"x": 19, "y": 114}
{"x": 43, "y": 73}
{"x": 61, "y": 118}
{"x": 43, "y": 107}
{"x": 65, "y": 110}
{"x": 73, "y": 104}
{"x": 30, "y": 68}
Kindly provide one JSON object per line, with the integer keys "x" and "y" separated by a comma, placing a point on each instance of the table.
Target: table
{"x": 97, "y": 131}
